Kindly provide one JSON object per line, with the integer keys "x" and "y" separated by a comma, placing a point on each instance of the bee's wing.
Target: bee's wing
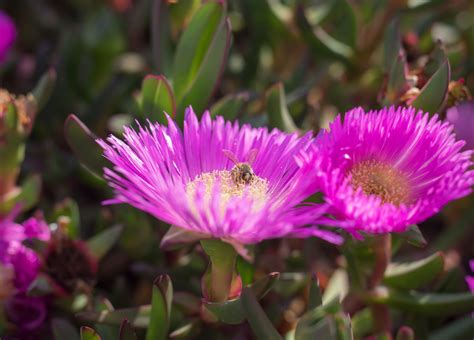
{"x": 251, "y": 156}
{"x": 229, "y": 154}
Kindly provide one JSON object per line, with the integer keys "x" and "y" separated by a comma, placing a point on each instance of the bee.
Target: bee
{"x": 242, "y": 172}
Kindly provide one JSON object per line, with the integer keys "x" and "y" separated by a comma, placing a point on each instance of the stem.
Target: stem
{"x": 382, "y": 248}
{"x": 218, "y": 280}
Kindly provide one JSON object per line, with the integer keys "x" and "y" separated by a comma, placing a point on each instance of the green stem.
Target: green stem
{"x": 382, "y": 250}
{"x": 222, "y": 258}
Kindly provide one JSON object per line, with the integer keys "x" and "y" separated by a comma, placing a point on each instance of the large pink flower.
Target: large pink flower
{"x": 186, "y": 179}
{"x": 382, "y": 171}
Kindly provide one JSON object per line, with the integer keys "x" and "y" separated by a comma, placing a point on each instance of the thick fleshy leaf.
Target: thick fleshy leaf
{"x": 44, "y": 88}
{"x": 63, "y": 329}
{"x": 25, "y": 197}
{"x": 176, "y": 236}
{"x": 459, "y": 329}
{"x": 362, "y": 323}
{"x": 278, "y": 115}
{"x": 230, "y": 106}
{"x": 231, "y": 311}
{"x": 200, "y": 57}
{"x": 156, "y": 98}
{"x": 126, "y": 331}
{"x": 160, "y": 308}
{"x": 413, "y": 275}
{"x": 413, "y": 236}
{"x": 83, "y": 143}
{"x": 315, "y": 298}
{"x": 161, "y": 37}
{"x": 334, "y": 42}
{"x": 397, "y": 82}
{"x": 139, "y": 317}
{"x": 101, "y": 243}
{"x": 88, "y": 333}
{"x": 442, "y": 304}
{"x": 255, "y": 315}
{"x": 392, "y": 44}
{"x": 434, "y": 92}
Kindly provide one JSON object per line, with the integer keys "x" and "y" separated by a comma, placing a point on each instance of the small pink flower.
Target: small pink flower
{"x": 462, "y": 118}
{"x": 7, "y": 34}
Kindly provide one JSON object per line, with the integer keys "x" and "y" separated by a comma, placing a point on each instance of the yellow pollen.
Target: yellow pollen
{"x": 256, "y": 190}
{"x": 376, "y": 178}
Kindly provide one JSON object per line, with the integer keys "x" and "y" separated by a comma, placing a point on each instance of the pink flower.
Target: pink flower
{"x": 189, "y": 179}
{"x": 7, "y": 34}
{"x": 462, "y": 118}
{"x": 382, "y": 171}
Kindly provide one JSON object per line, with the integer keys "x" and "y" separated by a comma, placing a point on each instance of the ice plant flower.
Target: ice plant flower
{"x": 190, "y": 179}
{"x": 7, "y": 34}
{"x": 470, "y": 278}
{"x": 382, "y": 171}
{"x": 20, "y": 266}
{"x": 462, "y": 118}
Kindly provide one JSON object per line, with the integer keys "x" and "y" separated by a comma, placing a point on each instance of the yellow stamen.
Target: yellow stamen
{"x": 257, "y": 189}
{"x": 377, "y": 178}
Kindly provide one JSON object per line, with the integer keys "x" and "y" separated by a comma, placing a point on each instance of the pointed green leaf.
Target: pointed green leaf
{"x": 413, "y": 236}
{"x": 156, "y": 98}
{"x": 416, "y": 274}
{"x": 126, "y": 331}
{"x": 392, "y": 44}
{"x": 397, "y": 82}
{"x": 362, "y": 323}
{"x": 278, "y": 115}
{"x": 139, "y": 317}
{"x": 176, "y": 236}
{"x": 101, "y": 243}
{"x": 44, "y": 88}
{"x": 442, "y": 304}
{"x": 462, "y": 328}
{"x": 83, "y": 143}
{"x": 162, "y": 49}
{"x": 88, "y": 333}
{"x": 26, "y": 197}
{"x": 200, "y": 57}
{"x": 231, "y": 312}
{"x": 322, "y": 329}
{"x": 315, "y": 298}
{"x": 63, "y": 329}
{"x": 434, "y": 92}
{"x": 160, "y": 309}
{"x": 230, "y": 106}
{"x": 255, "y": 315}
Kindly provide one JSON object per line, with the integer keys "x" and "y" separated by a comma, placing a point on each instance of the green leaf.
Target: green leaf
{"x": 126, "y": 331}
{"x": 458, "y": 329}
{"x": 40, "y": 286}
{"x": 44, "y": 88}
{"x": 278, "y": 115}
{"x": 413, "y": 236}
{"x": 397, "y": 82}
{"x": 430, "y": 304}
{"x": 200, "y": 57}
{"x": 322, "y": 329}
{"x": 139, "y": 317}
{"x": 63, "y": 329}
{"x": 231, "y": 311}
{"x": 88, "y": 333}
{"x": 315, "y": 298}
{"x": 416, "y": 274}
{"x": 160, "y": 309}
{"x": 101, "y": 243}
{"x": 160, "y": 27}
{"x": 259, "y": 322}
{"x": 83, "y": 143}
{"x": 432, "y": 95}
{"x": 156, "y": 98}
{"x": 392, "y": 44}
{"x": 362, "y": 323}
{"x": 176, "y": 237}
{"x": 231, "y": 106}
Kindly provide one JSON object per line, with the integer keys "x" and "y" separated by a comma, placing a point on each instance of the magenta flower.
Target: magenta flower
{"x": 470, "y": 279}
{"x": 7, "y": 34}
{"x": 26, "y": 312}
{"x": 189, "y": 179}
{"x": 382, "y": 171}
{"x": 462, "y": 118}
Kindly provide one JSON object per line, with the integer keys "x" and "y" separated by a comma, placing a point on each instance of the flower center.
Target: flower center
{"x": 376, "y": 178}
{"x": 256, "y": 189}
